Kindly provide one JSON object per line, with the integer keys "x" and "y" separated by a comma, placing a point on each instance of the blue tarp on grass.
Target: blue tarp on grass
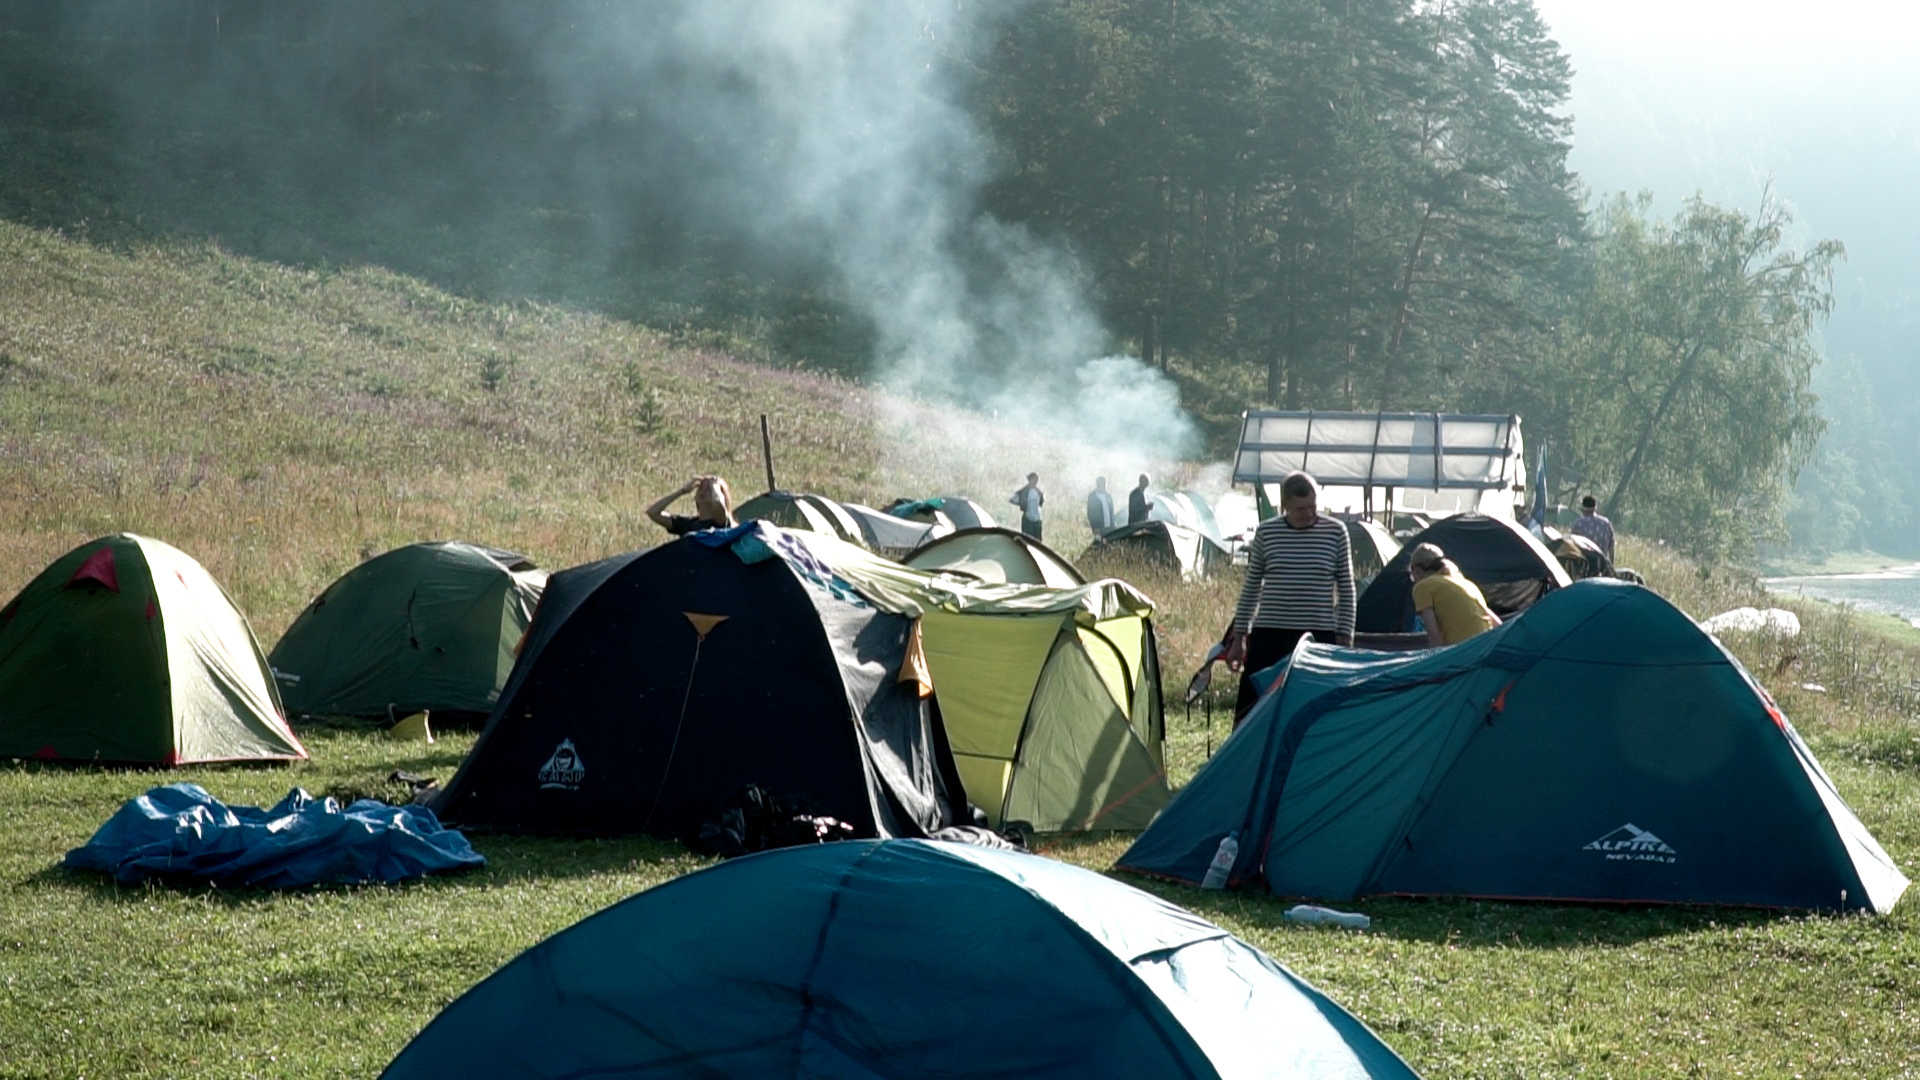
{"x": 181, "y": 833}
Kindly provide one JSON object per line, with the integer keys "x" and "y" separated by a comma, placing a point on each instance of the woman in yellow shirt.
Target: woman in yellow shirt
{"x": 1450, "y": 607}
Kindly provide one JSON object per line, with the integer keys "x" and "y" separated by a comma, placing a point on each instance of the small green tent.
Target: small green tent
{"x": 810, "y": 513}
{"x": 997, "y": 556}
{"x": 1373, "y": 548}
{"x": 126, "y": 650}
{"x": 1190, "y": 552}
{"x": 892, "y": 536}
{"x": 427, "y": 626}
{"x": 1050, "y": 696}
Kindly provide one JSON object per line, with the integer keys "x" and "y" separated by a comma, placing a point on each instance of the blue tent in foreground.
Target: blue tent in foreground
{"x": 1602, "y": 747}
{"x": 867, "y": 959}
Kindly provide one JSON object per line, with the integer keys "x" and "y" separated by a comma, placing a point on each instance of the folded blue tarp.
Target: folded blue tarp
{"x": 179, "y": 832}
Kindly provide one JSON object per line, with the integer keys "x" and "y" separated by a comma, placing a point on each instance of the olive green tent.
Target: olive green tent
{"x": 997, "y": 556}
{"x": 809, "y": 513}
{"x": 427, "y": 626}
{"x": 1190, "y": 552}
{"x": 1373, "y": 548}
{"x": 1050, "y": 696}
{"x": 892, "y": 536}
{"x": 125, "y": 650}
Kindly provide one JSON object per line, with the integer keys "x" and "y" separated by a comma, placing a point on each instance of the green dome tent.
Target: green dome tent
{"x": 889, "y": 535}
{"x": 997, "y": 556}
{"x": 1373, "y": 548}
{"x": 965, "y": 513}
{"x": 426, "y": 626}
{"x": 126, "y": 650}
{"x": 862, "y": 960}
{"x": 809, "y": 513}
{"x": 1600, "y": 747}
{"x": 1189, "y": 552}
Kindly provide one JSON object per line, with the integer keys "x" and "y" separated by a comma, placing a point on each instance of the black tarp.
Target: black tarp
{"x": 1512, "y": 569}
{"x": 652, "y": 688}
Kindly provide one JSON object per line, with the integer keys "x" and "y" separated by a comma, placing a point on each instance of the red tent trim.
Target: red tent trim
{"x": 98, "y": 567}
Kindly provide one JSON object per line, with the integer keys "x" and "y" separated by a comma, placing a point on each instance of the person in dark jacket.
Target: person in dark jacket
{"x": 1030, "y": 499}
{"x": 1139, "y": 507}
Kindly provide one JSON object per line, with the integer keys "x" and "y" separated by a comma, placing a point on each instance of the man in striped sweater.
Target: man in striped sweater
{"x": 1299, "y": 581}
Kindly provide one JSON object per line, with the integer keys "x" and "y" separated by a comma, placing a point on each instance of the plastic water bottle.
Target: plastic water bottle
{"x": 1312, "y": 915}
{"x": 1222, "y": 865}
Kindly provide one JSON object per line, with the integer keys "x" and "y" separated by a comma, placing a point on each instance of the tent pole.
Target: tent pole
{"x": 766, "y": 451}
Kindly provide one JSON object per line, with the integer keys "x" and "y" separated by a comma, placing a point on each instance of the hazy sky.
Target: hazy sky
{"x": 1718, "y": 96}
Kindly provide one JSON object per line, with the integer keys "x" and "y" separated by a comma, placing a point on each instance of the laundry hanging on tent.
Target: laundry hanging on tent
{"x": 181, "y": 833}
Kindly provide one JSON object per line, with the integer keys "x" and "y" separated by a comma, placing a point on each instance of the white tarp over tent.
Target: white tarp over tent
{"x": 1439, "y": 463}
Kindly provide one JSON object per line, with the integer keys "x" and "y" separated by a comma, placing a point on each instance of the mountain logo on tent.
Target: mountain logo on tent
{"x": 564, "y": 770}
{"x": 1630, "y": 843}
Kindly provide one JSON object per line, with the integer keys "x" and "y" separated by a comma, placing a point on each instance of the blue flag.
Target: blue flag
{"x": 1539, "y": 516}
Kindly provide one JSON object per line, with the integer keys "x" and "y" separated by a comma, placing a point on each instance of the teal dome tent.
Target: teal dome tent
{"x": 901, "y": 958}
{"x": 1601, "y": 747}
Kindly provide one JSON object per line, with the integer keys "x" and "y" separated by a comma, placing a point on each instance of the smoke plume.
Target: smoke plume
{"x": 648, "y": 157}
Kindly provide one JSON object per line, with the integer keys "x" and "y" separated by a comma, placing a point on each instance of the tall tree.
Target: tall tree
{"x": 1686, "y": 369}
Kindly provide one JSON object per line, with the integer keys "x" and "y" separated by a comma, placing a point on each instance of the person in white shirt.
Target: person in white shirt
{"x": 1100, "y": 508}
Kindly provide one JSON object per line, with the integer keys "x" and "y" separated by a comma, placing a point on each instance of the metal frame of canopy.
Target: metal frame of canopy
{"x": 1407, "y": 451}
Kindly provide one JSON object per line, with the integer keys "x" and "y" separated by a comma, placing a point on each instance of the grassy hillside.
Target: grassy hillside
{"x": 278, "y": 424}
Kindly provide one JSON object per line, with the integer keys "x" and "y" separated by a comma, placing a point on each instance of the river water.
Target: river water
{"x": 1889, "y": 592}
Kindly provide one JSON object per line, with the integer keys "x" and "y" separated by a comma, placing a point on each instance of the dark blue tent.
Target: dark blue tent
{"x": 895, "y": 958}
{"x": 1512, "y": 569}
{"x": 653, "y": 687}
{"x": 1601, "y": 747}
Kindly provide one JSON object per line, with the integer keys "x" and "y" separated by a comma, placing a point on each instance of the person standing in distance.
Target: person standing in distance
{"x": 1139, "y": 507}
{"x": 1299, "y": 582}
{"x": 1594, "y": 525}
{"x": 1100, "y": 508}
{"x": 712, "y": 507}
{"x": 1030, "y": 499}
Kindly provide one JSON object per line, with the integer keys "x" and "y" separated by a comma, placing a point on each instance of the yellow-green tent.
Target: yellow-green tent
{"x": 1050, "y": 696}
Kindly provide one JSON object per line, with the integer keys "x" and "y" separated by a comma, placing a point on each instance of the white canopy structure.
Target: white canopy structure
{"x": 1435, "y": 463}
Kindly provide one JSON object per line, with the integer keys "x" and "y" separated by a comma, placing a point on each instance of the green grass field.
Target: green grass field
{"x": 278, "y": 423}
